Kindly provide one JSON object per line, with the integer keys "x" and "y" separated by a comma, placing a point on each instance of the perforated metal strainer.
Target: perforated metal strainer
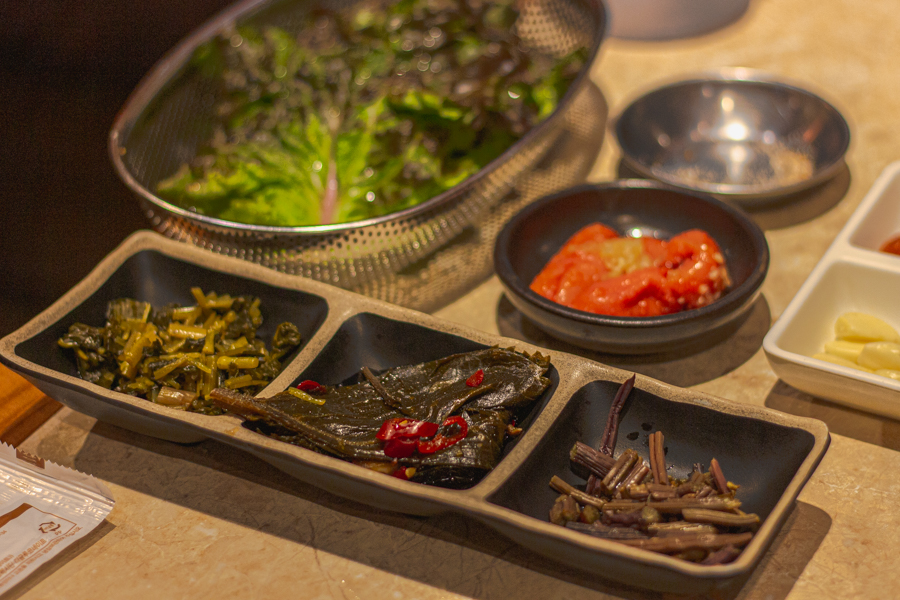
{"x": 420, "y": 257}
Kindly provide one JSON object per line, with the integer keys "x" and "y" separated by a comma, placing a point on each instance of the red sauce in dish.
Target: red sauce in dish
{"x": 892, "y": 246}
{"x": 597, "y": 271}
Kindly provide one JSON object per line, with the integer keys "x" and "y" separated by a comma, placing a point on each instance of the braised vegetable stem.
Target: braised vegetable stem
{"x": 564, "y": 488}
{"x": 620, "y": 471}
{"x": 697, "y": 519}
{"x": 608, "y": 441}
{"x": 597, "y": 463}
{"x": 657, "y": 458}
{"x": 385, "y": 395}
{"x": 637, "y": 475}
{"x": 611, "y": 432}
{"x": 718, "y": 476}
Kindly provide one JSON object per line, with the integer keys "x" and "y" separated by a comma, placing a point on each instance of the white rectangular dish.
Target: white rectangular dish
{"x": 852, "y": 276}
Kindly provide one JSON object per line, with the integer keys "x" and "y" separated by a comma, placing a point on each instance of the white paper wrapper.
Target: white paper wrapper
{"x": 43, "y": 509}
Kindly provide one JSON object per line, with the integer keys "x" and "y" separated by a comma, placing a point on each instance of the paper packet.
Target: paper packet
{"x": 44, "y": 508}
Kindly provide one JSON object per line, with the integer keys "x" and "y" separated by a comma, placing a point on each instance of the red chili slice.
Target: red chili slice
{"x": 400, "y": 474}
{"x": 439, "y": 442}
{"x": 310, "y": 386}
{"x": 406, "y": 428}
{"x": 476, "y": 378}
{"x": 400, "y": 447}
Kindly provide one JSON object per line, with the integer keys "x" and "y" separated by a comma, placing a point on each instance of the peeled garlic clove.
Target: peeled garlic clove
{"x": 844, "y": 349}
{"x": 888, "y": 373}
{"x": 880, "y": 355}
{"x": 837, "y": 360}
{"x": 861, "y": 327}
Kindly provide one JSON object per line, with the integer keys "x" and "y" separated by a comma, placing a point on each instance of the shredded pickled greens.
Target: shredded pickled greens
{"x": 365, "y": 112}
{"x": 177, "y": 355}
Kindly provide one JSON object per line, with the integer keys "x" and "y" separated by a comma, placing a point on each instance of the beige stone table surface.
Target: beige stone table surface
{"x": 207, "y": 521}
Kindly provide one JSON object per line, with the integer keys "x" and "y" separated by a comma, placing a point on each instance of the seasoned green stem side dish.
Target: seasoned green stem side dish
{"x": 176, "y": 355}
{"x": 365, "y": 112}
{"x": 488, "y": 389}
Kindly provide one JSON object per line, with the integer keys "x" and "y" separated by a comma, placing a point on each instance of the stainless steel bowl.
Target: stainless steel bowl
{"x": 735, "y": 133}
{"x": 420, "y": 257}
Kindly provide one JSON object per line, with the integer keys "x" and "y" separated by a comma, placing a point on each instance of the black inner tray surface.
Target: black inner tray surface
{"x": 759, "y": 456}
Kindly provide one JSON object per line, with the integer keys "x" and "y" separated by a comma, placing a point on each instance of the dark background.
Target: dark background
{"x": 66, "y": 67}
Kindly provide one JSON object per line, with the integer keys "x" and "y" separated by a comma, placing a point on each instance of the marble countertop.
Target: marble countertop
{"x": 208, "y": 521}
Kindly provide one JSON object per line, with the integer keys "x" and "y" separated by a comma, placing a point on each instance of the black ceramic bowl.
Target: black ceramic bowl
{"x": 535, "y": 234}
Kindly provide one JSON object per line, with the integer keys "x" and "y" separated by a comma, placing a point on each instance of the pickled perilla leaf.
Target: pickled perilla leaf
{"x": 344, "y": 420}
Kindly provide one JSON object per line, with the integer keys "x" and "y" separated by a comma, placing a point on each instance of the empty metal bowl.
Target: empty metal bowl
{"x": 737, "y": 133}
{"x": 634, "y": 208}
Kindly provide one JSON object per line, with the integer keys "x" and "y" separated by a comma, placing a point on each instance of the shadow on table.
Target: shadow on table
{"x": 843, "y": 420}
{"x": 451, "y": 552}
{"x": 700, "y": 362}
{"x": 786, "y": 211}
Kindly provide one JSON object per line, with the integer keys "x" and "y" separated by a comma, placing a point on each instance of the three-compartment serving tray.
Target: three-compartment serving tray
{"x": 771, "y": 455}
{"x": 852, "y": 276}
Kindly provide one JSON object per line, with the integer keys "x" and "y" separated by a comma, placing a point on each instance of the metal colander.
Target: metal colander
{"x": 421, "y": 257}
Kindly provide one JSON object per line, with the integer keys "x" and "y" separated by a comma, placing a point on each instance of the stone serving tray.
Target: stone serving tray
{"x": 770, "y": 454}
